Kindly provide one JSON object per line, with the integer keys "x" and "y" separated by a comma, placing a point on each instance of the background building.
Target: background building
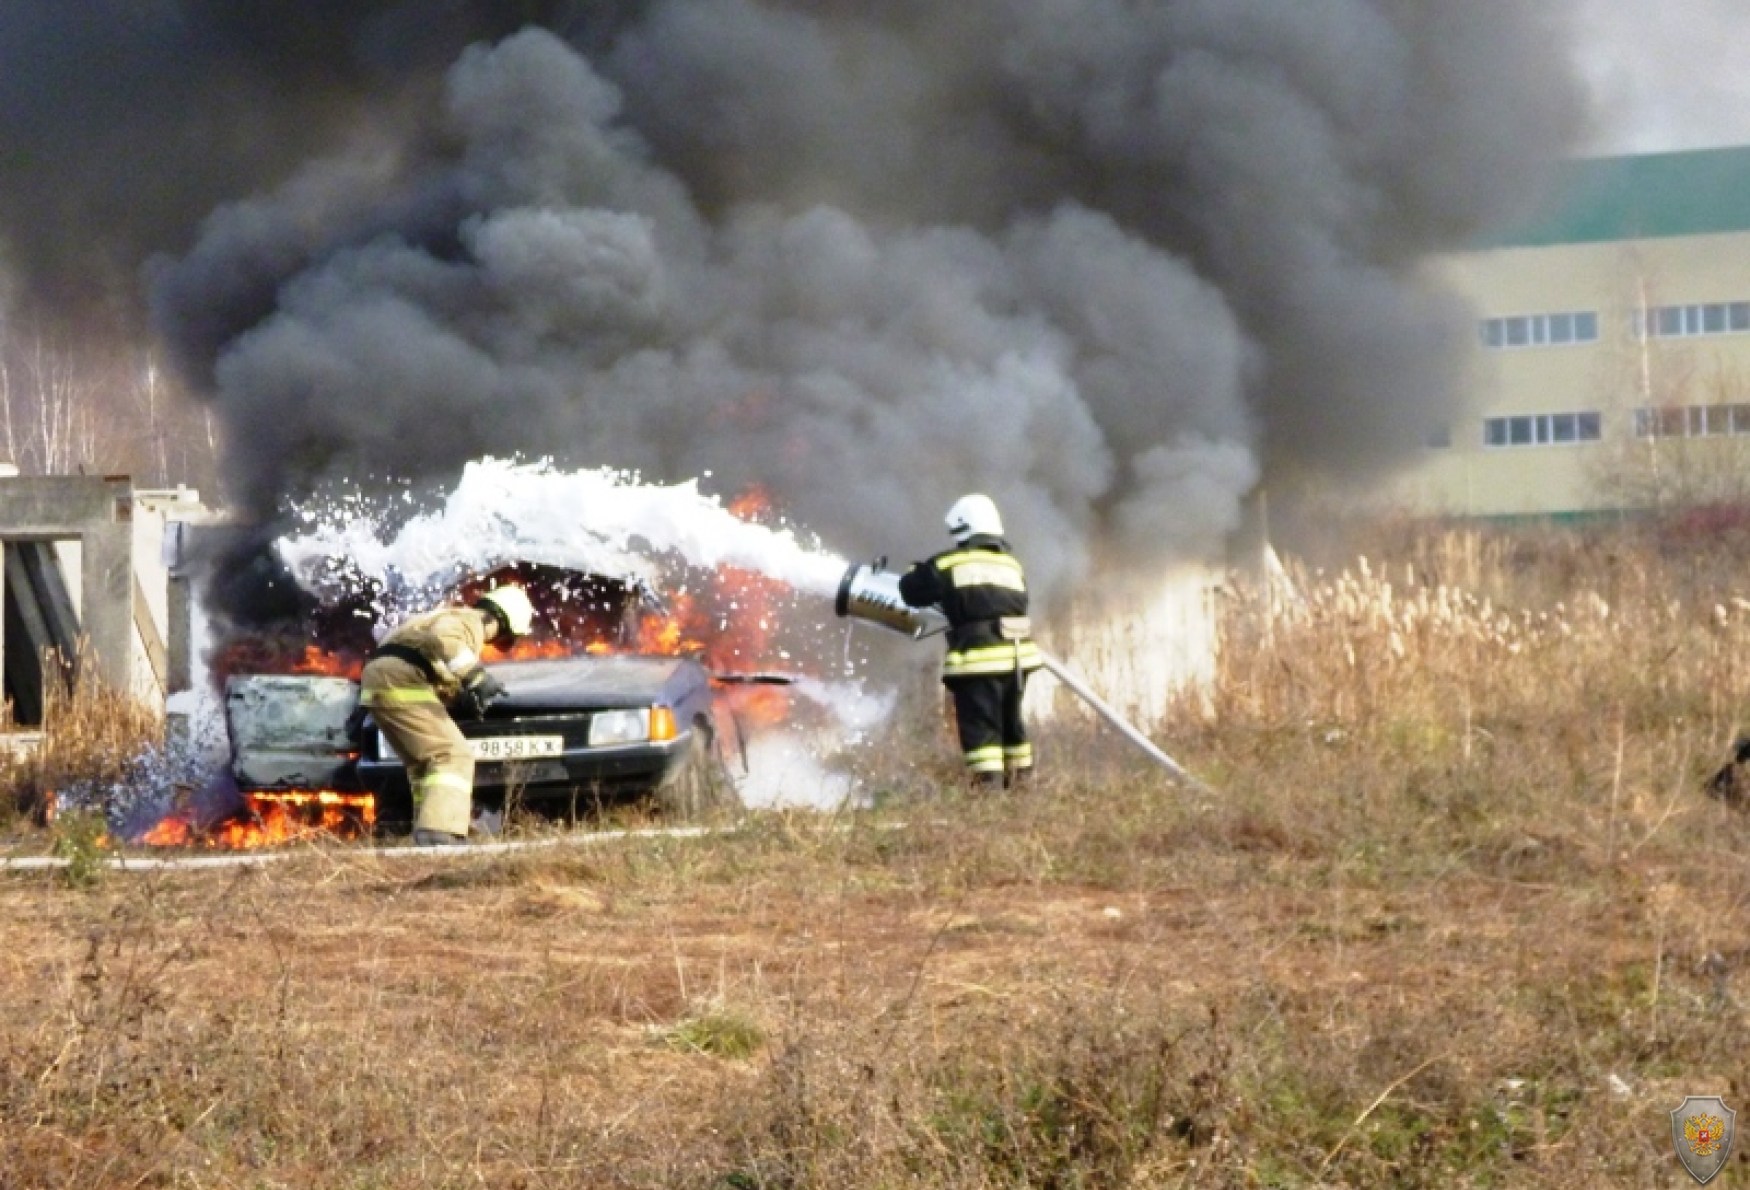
{"x": 1611, "y": 367}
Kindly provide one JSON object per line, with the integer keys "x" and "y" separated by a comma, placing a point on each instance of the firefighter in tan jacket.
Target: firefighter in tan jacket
{"x": 422, "y": 666}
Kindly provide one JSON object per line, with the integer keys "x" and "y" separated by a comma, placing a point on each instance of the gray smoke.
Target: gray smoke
{"x": 1108, "y": 261}
{"x": 124, "y": 122}
{"x": 1665, "y": 76}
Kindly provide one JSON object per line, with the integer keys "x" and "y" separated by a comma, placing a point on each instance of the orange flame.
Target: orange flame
{"x": 672, "y": 634}
{"x": 757, "y": 706}
{"x": 752, "y": 505}
{"x": 748, "y": 619}
{"x": 271, "y": 655}
{"x": 317, "y": 660}
{"x": 272, "y": 817}
{"x": 529, "y": 649}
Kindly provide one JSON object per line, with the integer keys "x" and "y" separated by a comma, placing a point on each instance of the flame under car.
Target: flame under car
{"x": 570, "y": 731}
{"x": 603, "y": 721}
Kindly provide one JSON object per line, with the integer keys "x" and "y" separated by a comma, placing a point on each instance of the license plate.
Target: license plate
{"x": 517, "y": 747}
{"x": 504, "y": 747}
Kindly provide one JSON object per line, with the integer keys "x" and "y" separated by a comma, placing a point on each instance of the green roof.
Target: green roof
{"x": 1601, "y": 199}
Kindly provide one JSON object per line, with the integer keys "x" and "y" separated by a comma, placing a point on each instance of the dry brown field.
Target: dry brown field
{"x": 1459, "y": 915}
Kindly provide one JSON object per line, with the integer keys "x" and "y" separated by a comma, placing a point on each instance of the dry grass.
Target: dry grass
{"x": 1459, "y": 918}
{"x": 90, "y": 736}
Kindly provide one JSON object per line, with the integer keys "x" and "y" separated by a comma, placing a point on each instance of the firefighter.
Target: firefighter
{"x": 981, "y": 588}
{"x": 1728, "y": 785}
{"x": 423, "y": 665}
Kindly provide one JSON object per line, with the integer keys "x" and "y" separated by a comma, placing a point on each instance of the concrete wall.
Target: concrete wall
{"x": 97, "y": 513}
{"x": 109, "y": 541}
{"x": 156, "y": 610}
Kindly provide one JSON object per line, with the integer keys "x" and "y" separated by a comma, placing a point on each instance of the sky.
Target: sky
{"x": 1666, "y": 74}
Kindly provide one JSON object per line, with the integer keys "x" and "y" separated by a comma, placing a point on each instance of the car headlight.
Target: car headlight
{"x": 619, "y": 727}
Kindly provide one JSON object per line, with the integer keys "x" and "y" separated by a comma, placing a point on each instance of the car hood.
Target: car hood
{"x": 572, "y": 683}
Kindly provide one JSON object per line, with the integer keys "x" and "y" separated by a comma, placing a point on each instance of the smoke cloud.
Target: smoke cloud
{"x": 1109, "y": 262}
{"x": 123, "y": 123}
{"x": 1665, "y": 76}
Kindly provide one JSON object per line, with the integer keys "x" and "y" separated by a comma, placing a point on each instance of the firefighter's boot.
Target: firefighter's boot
{"x": 428, "y": 838}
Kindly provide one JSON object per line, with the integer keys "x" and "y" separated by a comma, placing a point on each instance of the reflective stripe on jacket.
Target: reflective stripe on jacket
{"x": 991, "y": 659}
{"x": 977, "y": 586}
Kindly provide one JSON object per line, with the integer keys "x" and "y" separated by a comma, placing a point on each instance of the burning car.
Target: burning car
{"x": 611, "y": 702}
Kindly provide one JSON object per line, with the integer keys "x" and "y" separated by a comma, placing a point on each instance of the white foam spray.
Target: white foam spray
{"x": 605, "y": 522}
{"x": 802, "y": 766}
{"x": 784, "y": 768}
{"x": 602, "y": 521}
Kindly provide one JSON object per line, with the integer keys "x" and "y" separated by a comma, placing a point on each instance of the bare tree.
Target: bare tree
{"x": 65, "y": 410}
{"x": 62, "y": 437}
{"x": 156, "y": 430}
{"x": 1683, "y": 405}
{"x": 1687, "y": 441}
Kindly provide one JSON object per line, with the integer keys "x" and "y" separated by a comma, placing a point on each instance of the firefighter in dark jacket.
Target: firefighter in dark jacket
{"x": 981, "y": 588}
{"x": 423, "y": 664}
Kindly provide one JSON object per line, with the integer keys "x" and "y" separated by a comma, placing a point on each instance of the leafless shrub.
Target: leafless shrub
{"x": 91, "y": 737}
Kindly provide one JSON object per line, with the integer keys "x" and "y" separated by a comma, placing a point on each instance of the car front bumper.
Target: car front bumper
{"x": 623, "y": 768}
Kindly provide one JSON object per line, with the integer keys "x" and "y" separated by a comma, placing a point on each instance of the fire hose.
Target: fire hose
{"x": 871, "y": 593}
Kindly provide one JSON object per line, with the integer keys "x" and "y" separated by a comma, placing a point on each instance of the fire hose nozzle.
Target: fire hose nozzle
{"x": 867, "y": 592}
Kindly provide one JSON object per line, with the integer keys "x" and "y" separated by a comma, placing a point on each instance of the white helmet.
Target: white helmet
{"x": 516, "y": 615}
{"x": 974, "y": 516}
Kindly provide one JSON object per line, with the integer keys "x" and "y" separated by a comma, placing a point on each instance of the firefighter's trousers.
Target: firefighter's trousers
{"x": 440, "y": 767}
{"x": 993, "y": 735}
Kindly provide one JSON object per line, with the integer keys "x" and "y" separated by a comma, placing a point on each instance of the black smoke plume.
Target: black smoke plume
{"x": 124, "y": 122}
{"x": 1108, "y": 261}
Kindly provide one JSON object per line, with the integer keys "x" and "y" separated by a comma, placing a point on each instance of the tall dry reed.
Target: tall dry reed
{"x": 91, "y": 735}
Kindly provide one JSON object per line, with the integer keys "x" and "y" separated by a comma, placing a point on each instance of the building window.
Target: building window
{"x": 1543, "y": 429}
{"x": 1540, "y": 330}
{"x": 1682, "y": 322}
{"x": 1692, "y": 421}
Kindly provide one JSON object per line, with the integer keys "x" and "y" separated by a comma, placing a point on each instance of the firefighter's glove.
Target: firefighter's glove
{"x": 480, "y": 691}
{"x": 355, "y": 724}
